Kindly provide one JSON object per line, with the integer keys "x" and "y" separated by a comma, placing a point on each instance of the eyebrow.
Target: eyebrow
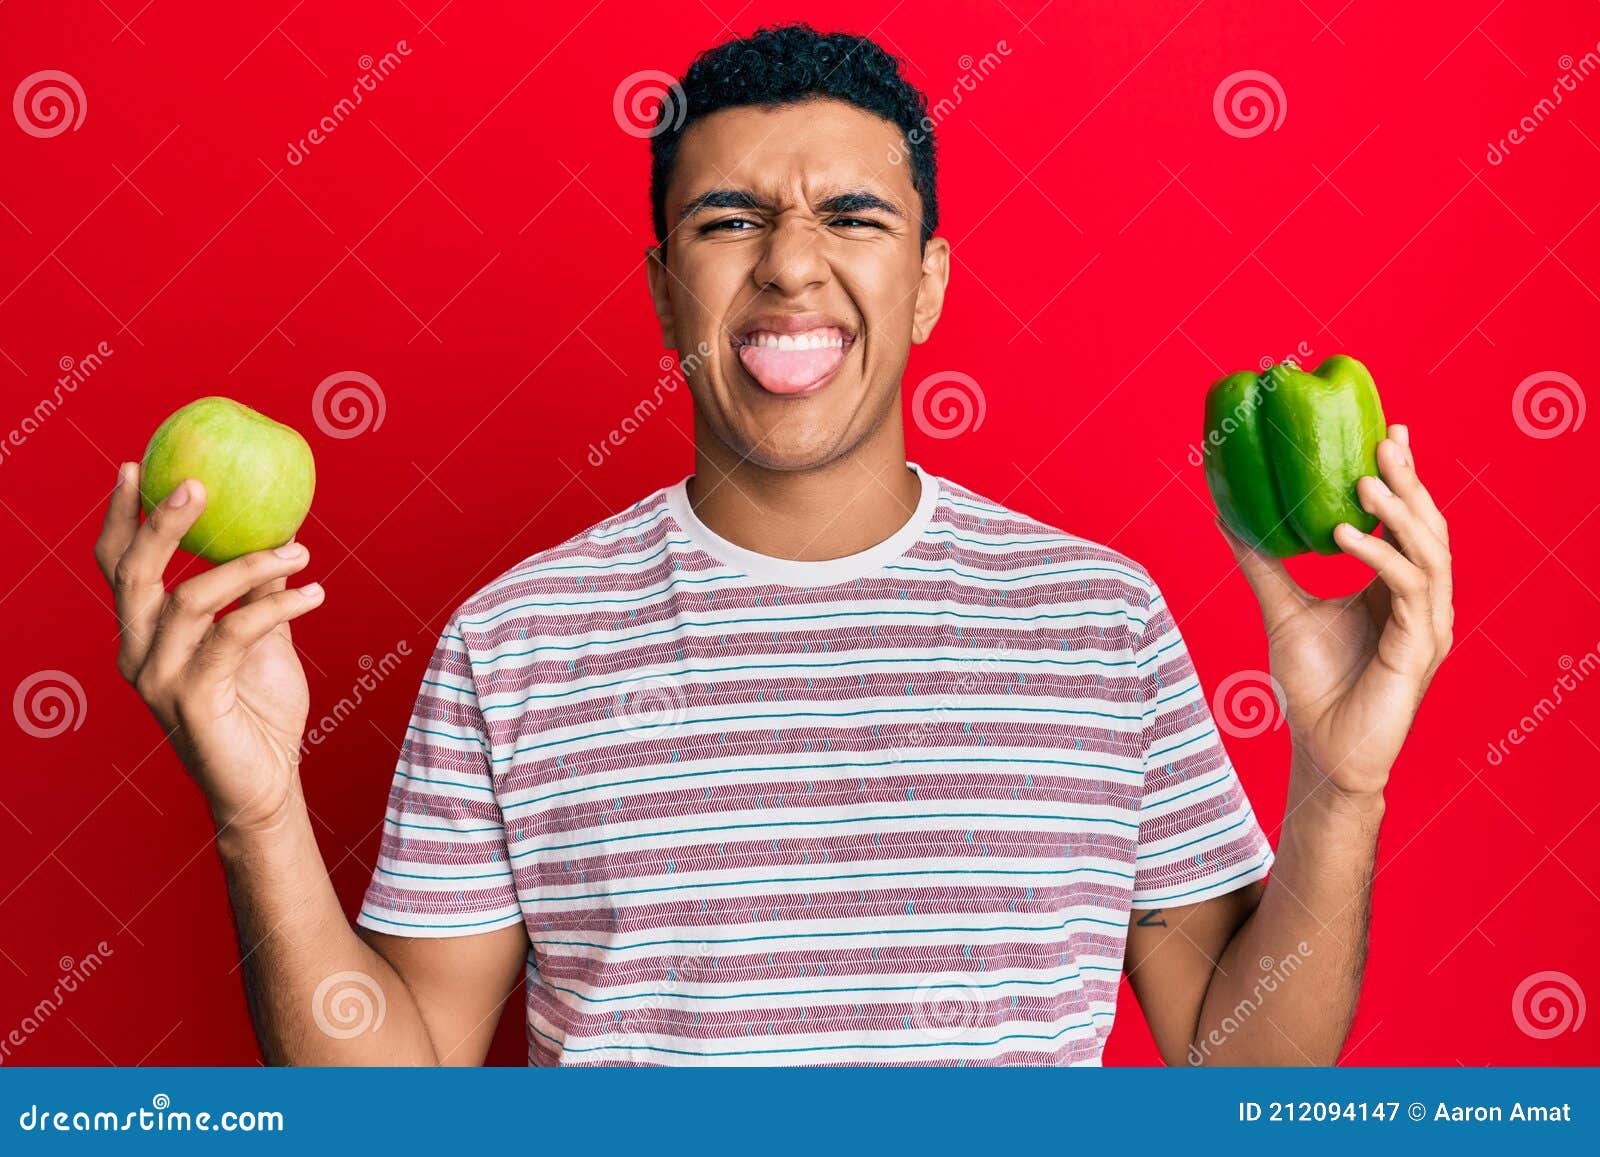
{"x": 856, "y": 201}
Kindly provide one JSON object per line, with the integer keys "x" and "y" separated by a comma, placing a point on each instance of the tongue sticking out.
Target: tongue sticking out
{"x": 789, "y": 371}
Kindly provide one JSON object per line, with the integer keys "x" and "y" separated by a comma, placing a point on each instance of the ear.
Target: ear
{"x": 655, "y": 262}
{"x": 930, "y": 292}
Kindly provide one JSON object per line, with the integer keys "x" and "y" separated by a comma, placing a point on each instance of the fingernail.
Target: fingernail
{"x": 124, "y": 474}
{"x": 1379, "y": 485}
{"x": 179, "y": 497}
{"x": 312, "y": 590}
{"x": 289, "y": 550}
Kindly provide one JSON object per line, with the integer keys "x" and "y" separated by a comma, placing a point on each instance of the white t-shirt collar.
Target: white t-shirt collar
{"x": 791, "y": 572}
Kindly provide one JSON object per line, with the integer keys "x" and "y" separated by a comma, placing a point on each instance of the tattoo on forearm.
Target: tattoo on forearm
{"x": 1152, "y": 919}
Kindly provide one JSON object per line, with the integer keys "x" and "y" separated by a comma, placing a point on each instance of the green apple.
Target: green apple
{"x": 258, "y": 476}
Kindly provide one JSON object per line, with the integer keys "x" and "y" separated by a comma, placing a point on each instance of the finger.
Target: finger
{"x": 138, "y": 575}
{"x": 1408, "y": 644}
{"x": 235, "y": 633}
{"x": 1405, "y": 580}
{"x": 192, "y": 605}
{"x": 1409, "y": 529}
{"x": 1411, "y": 534}
{"x": 1279, "y": 595}
{"x": 270, "y": 587}
{"x": 1401, "y": 473}
{"x": 1397, "y": 466}
{"x": 121, "y": 521}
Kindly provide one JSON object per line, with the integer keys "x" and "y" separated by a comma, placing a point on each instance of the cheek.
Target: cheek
{"x": 705, "y": 288}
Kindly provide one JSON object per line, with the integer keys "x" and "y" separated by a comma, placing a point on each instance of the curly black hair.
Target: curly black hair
{"x": 788, "y": 64}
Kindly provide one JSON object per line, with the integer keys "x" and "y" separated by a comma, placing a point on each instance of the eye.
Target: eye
{"x": 856, "y": 223}
{"x": 728, "y": 225}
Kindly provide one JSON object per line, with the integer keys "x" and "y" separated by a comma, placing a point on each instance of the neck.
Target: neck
{"x": 830, "y": 511}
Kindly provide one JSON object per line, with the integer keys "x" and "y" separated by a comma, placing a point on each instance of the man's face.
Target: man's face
{"x": 794, "y": 258}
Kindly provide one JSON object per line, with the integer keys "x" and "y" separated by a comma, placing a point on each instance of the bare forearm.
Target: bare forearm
{"x": 318, "y": 994}
{"x": 1286, "y": 986}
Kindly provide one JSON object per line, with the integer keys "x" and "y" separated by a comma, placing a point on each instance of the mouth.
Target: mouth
{"x": 793, "y": 354}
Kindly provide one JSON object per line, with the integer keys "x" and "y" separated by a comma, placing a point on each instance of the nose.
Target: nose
{"x": 793, "y": 260}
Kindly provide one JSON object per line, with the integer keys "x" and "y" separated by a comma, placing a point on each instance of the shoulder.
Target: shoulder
{"x": 601, "y": 563}
{"x": 1011, "y": 548}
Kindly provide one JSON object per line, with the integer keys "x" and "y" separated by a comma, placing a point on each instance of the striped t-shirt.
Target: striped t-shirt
{"x": 892, "y": 808}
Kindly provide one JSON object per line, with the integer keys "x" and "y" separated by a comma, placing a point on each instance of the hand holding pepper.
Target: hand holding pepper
{"x": 1353, "y": 669}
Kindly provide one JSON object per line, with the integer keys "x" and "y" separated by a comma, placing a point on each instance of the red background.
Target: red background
{"x": 471, "y": 238}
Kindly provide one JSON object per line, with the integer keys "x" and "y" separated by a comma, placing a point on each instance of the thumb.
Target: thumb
{"x": 1279, "y": 595}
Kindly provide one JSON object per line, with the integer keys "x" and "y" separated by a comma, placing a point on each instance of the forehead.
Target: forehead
{"x": 808, "y": 148}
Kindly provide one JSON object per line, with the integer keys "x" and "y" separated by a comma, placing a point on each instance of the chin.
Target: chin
{"x": 789, "y": 449}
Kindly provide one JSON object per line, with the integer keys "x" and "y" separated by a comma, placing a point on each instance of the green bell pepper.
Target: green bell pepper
{"x": 1285, "y": 448}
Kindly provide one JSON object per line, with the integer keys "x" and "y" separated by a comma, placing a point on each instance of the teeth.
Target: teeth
{"x": 814, "y": 339}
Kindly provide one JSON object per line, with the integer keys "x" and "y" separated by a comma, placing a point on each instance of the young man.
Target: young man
{"x": 813, "y": 757}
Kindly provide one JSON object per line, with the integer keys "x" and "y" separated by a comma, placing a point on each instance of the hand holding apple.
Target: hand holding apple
{"x": 258, "y": 476}
{"x": 226, "y": 483}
